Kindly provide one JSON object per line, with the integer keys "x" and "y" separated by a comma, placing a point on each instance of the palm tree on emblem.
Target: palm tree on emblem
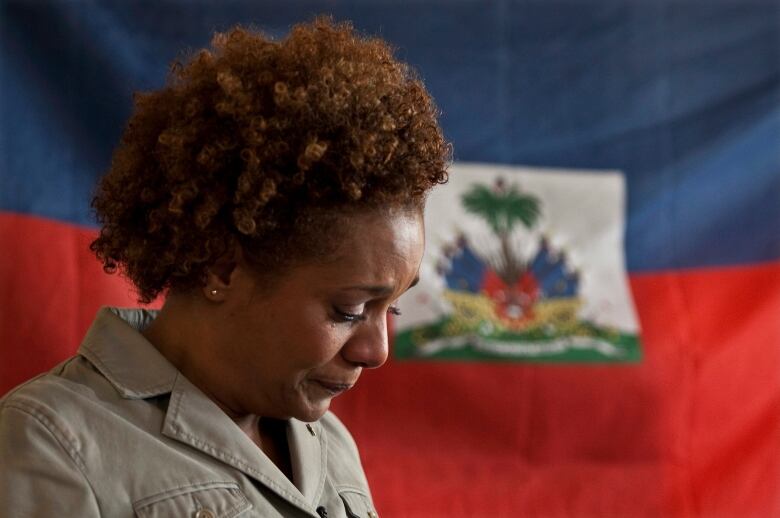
{"x": 503, "y": 207}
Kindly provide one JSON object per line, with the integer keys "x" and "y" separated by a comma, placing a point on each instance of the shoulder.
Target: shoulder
{"x": 38, "y": 436}
{"x": 59, "y": 391}
{"x": 34, "y": 418}
{"x": 55, "y": 404}
{"x": 48, "y": 390}
{"x": 29, "y": 419}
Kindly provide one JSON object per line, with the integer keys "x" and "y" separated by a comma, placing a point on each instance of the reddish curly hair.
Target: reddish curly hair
{"x": 254, "y": 143}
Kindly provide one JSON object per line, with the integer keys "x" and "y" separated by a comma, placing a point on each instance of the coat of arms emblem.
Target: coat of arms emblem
{"x": 522, "y": 265}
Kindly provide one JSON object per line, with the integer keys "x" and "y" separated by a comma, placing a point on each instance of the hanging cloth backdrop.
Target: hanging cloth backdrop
{"x": 675, "y": 103}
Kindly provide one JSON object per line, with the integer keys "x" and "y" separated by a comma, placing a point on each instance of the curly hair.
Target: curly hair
{"x": 252, "y": 142}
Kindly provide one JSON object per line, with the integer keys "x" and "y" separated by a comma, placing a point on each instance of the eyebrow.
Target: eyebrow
{"x": 380, "y": 291}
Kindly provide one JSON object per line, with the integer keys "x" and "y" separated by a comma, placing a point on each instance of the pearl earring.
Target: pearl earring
{"x": 213, "y": 292}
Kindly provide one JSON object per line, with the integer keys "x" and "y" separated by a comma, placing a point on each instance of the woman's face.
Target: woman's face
{"x": 287, "y": 350}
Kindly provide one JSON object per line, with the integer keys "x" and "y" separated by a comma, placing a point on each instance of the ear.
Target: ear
{"x": 221, "y": 275}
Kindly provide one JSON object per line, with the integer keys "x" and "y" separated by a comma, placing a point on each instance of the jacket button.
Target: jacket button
{"x": 205, "y": 513}
{"x": 322, "y": 512}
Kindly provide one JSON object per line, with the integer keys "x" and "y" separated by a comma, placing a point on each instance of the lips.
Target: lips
{"x": 333, "y": 387}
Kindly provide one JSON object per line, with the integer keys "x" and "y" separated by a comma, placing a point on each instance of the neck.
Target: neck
{"x": 182, "y": 333}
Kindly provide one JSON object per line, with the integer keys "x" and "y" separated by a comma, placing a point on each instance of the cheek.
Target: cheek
{"x": 313, "y": 340}
{"x": 290, "y": 334}
{"x": 321, "y": 343}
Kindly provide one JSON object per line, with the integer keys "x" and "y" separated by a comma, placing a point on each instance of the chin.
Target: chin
{"x": 312, "y": 412}
{"x": 310, "y": 404}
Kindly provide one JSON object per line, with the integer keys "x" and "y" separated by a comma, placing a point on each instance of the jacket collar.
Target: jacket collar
{"x": 115, "y": 346}
{"x": 194, "y": 419}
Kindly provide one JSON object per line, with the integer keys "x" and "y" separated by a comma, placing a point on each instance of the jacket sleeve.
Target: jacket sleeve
{"x": 41, "y": 472}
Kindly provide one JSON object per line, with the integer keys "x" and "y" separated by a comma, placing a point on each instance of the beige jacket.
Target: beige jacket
{"x": 117, "y": 431}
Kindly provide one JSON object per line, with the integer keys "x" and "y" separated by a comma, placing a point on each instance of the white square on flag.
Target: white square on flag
{"x": 522, "y": 264}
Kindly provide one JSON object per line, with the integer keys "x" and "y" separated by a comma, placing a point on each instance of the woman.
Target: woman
{"x": 273, "y": 193}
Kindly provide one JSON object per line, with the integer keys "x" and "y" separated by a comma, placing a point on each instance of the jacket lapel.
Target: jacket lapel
{"x": 137, "y": 370}
{"x": 192, "y": 418}
{"x": 308, "y": 453}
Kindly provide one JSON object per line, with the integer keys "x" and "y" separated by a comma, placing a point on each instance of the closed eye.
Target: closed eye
{"x": 344, "y": 316}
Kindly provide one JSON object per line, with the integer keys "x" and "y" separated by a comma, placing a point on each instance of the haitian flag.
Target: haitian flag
{"x": 679, "y": 99}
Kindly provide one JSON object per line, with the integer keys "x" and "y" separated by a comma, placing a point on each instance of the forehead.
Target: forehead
{"x": 393, "y": 230}
{"x": 379, "y": 248}
{"x": 380, "y": 238}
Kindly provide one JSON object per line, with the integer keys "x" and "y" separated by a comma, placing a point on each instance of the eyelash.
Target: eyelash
{"x": 359, "y": 317}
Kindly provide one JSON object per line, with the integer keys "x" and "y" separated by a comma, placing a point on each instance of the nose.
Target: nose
{"x": 368, "y": 346}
